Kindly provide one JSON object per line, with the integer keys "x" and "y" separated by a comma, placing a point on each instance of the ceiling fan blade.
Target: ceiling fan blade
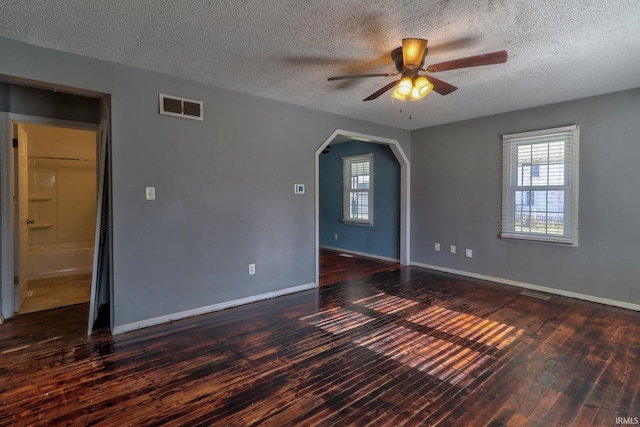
{"x": 359, "y": 76}
{"x": 470, "y": 61}
{"x": 442, "y": 87}
{"x": 381, "y": 91}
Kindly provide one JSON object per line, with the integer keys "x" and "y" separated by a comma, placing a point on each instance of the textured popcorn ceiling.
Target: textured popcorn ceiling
{"x": 285, "y": 49}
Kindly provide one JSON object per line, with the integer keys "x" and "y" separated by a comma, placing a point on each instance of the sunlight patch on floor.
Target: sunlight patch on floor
{"x": 337, "y": 320}
{"x": 385, "y": 303}
{"x": 472, "y": 342}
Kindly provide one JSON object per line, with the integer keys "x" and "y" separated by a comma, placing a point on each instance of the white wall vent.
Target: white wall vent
{"x": 180, "y": 107}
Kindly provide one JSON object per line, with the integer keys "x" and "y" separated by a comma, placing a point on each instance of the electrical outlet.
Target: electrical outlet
{"x": 335, "y": 236}
{"x": 437, "y": 247}
{"x": 468, "y": 253}
{"x": 453, "y": 249}
{"x": 252, "y": 269}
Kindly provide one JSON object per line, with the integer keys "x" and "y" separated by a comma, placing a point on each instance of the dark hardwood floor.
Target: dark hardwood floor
{"x": 400, "y": 346}
{"x": 335, "y": 268}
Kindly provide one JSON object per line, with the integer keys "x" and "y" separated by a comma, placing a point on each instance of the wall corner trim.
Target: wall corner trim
{"x": 499, "y": 280}
{"x": 121, "y": 329}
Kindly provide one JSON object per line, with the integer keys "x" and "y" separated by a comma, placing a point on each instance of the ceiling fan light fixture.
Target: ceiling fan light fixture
{"x": 396, "y": 95}
{"x": 421, "y": 88}
{"x": 405, "y": 86}
{"x": 413, "y": 52}
{"x": 415, "y": 94}
{"x": 413, "y": 88}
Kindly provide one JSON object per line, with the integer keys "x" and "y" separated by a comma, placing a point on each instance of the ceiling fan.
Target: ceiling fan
{"x": 409, "y": 60}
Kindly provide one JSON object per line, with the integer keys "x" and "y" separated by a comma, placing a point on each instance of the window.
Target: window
{"x": 540, "y": 185}
{"x": 358, "y": 189}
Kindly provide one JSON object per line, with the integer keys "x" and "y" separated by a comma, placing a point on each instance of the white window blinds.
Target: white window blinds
{"x": 358, "y": 189}
{"x": 540, "y": 185}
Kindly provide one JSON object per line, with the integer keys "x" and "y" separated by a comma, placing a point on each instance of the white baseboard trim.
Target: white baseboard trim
{"x": 349, "y": 251}
{"x": 585, "y": 297}
{"x": 121, "y": 329}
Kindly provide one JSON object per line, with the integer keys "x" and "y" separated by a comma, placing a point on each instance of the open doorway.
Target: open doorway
{"x": 395, "y": 247}
{"x": 55, "y": 176}
{"x": 29, "y": 107}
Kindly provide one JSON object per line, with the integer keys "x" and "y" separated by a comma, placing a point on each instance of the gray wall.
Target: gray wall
{"x": 224, "y": 186}
{"x": 456, "y": 199}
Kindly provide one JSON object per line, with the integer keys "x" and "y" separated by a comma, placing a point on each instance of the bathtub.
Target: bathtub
{"x": 60, "y": 259}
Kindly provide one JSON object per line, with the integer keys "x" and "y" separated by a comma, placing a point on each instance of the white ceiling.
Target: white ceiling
{"x": 286, "y": 49}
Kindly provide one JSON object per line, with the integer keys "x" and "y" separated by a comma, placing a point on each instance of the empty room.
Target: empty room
{"x": 320, "y": 213}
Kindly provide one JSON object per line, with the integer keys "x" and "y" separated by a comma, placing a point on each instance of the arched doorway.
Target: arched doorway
{"x": 340, "y": 135}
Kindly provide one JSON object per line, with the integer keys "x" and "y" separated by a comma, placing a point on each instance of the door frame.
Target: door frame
{"x": 21, "y": 194}
{"x": 405, "y": 181}
{"x": 7, "y": 204}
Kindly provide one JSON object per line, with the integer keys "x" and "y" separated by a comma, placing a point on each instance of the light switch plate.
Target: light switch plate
{"x": 150, "y": 193}
{"x": 298, "y": 188}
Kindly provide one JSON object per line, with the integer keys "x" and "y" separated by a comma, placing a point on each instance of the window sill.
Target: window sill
{"x": 540, "y": 239}
{"x": 353, "y": 222}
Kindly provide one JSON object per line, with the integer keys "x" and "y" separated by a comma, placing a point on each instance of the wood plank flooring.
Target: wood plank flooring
{"x": 401, "y": 347}
{"x": 335, "y": 268}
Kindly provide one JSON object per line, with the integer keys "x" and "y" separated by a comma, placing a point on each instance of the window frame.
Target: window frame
{"x": 570, "y": 136}
{"x": 347, "y": 162}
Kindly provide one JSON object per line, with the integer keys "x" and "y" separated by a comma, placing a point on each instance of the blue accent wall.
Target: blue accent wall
{"x": 383, "y": 238}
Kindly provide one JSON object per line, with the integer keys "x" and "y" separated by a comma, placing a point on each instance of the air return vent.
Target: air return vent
{"x": 536, "y": 295}
{"x": 180, "y": 107}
